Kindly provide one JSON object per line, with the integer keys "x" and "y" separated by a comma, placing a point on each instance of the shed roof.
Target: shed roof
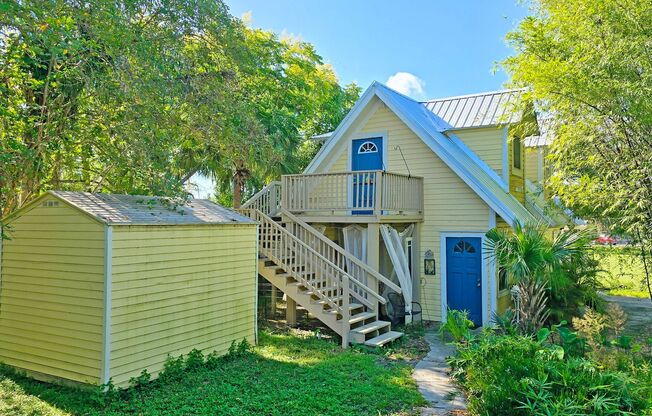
{"x": 478, "y": 110}
{"x": 116, "y": 209}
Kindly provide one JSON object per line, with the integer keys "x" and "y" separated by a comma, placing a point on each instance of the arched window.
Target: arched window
{"x": 368, "y": 147}
{"x": 463, "y": 247}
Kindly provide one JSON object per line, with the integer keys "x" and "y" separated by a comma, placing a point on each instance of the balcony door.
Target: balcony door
{"x": 366, "y": 155}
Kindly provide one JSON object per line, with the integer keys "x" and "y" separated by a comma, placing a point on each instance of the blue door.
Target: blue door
{"x": 464, "y": 276}
{"x": 367, "y": 154}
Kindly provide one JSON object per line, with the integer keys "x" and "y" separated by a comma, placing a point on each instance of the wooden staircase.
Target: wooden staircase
{"x": 329, "y": 282}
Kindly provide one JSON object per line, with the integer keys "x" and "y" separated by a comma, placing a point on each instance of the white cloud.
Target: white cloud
{"x": 408, "y": 84}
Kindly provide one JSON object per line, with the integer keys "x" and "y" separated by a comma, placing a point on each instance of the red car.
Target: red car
{"x": 605, "y": 239}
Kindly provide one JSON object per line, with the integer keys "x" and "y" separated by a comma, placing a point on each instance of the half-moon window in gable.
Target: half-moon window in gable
{"x": 368, "y": 147}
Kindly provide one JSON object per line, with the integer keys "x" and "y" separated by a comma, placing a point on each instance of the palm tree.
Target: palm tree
{"x": 554, "y": 273}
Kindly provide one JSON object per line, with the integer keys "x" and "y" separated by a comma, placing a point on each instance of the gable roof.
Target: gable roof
{"x": 430, "y": 129}
{"x": 470, "y": 111}
{"x": 116, "y": 209}
{"x": 478, "y": 110}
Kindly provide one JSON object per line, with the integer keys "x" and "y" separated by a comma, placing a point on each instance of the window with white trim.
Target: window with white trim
{"x": 516, "y": 153}
{"x": 368, "y": 147}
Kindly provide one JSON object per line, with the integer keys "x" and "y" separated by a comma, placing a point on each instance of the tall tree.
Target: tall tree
{"x": 589, "y": 64}
{"x": 135, "y": 96}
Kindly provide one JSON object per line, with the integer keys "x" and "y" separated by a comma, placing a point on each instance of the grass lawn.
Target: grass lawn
{"x": 622, "y": 271}
{"x": 286, "y": 374}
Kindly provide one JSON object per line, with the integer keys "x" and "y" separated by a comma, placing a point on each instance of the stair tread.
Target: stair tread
{"x": 365, "y": 329}
{"x": 383, "y": 339}
{"x": 361, "y": 317}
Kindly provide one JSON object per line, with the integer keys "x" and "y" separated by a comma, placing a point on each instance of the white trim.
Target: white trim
{"x": 443, "y": 235}
{"x": 108, "y": 287}
{"x": 493, "y": 278}
{"x": 338, "y": 151}
{"x": 506, "y": 158}
{"x": 436, "y": 141}
{"x": 456, "y": 166}
{"x": 350, "y": 118}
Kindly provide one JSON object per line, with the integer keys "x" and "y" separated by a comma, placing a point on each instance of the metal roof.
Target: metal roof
{"x": 478, "y": 110}
{"x": 545, "y": 136}
{"x": 115, "y": 209}
{"x": 470, "y": 168}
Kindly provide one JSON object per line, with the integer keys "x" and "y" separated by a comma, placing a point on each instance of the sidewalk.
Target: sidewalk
{"x": 431, "y": 375}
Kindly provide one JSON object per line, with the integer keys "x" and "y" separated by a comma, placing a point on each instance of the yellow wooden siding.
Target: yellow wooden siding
{"x": 449, "y": 204}
{"x": 532, "y": 164}
{"x": 176, "y": 288}
{"x": 487, "y": 143}
{"x": 51, "y": 294}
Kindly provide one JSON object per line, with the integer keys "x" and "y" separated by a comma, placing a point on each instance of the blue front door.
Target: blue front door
{"x": 367, "y": 154}
{"x": 464, "y": 276}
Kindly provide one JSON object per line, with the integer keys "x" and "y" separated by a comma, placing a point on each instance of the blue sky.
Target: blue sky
{"x": 441, "y": 47}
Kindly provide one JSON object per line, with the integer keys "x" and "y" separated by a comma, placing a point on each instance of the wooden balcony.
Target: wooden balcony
{"x": 361, "y": 196}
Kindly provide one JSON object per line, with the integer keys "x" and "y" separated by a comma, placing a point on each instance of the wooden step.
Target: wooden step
{"x": 362, "y": 317}
{"x": 319, "y": 290}
{"x": 383, "y": 339}
{"x": 374, "y": 326}
{"x": 325, "y": 302}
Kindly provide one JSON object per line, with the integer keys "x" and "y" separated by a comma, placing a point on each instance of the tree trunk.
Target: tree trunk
{"x": 237, "y": 190}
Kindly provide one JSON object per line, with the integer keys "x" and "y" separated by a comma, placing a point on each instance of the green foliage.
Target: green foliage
{"x": 517, "y": 375}
{"x": 587, "y": 63}
{"x": 457, "y": 325}
{"x": 621, "y": 271}
{"x": 283, "y": 375}
{"x": 564, "y": 262}
{"x": 136, "y": 96}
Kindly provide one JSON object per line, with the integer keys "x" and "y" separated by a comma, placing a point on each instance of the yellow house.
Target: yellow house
{"x": 398, "y": 200}
{"x": 96, "y": 286}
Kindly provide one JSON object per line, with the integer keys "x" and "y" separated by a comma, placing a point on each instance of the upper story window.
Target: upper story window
{"x": 516, "y": 153}
{"x": 368, "y": 147}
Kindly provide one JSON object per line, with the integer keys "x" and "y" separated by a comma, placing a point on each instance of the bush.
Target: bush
{"x": 518, "y": 375}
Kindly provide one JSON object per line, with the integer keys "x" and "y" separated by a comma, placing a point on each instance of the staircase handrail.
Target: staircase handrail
{"x": 347, "y": 255}
{"x": 346, "y": 277}
{"x": 256, "y": 201}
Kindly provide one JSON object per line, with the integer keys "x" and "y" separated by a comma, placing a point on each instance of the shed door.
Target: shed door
{"x": 367, "y": 154}
{"x": 464, "y": 276}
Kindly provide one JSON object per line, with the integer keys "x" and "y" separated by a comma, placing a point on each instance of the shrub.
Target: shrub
{"x": 457, "y": 325}
{"x": 518, "y": 375}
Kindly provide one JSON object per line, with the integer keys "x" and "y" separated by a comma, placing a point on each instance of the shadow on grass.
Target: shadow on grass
{"x": 285, "y": 375}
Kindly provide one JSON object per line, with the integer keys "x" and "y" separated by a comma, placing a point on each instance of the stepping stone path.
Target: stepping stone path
{"x": 431, "y": 375}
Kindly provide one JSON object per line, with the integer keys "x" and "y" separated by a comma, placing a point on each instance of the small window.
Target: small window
{"x": 463, "y": 247}
{"x": 502, "y": 279}
{"x": 516, "y": 153}
{"x": 368, "y": 147}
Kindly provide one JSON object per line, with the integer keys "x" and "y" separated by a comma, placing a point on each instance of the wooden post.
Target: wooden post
{"x": 346, "y": 314}
{"x": 373, "y": 257}
{"x": 291, "y": 312}
{"x": 272, "y": 302}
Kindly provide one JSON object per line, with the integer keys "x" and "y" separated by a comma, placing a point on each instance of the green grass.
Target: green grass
{"x": 284, "y": 375}
{"x": 622, "y": 271}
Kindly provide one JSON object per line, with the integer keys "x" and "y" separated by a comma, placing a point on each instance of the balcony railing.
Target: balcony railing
{"x": 353, "y": 193}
